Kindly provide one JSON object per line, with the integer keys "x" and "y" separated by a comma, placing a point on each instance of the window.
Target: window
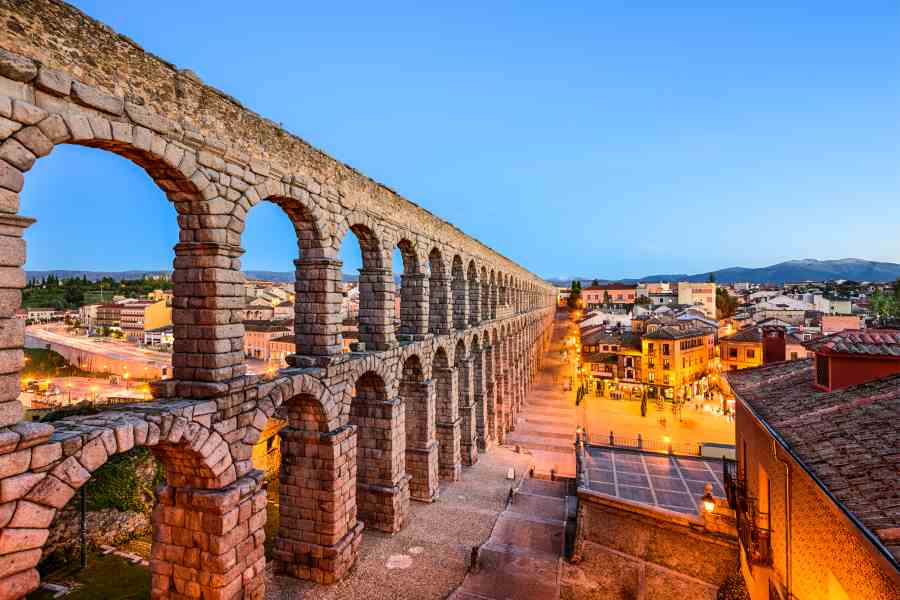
{"x": 651, "y": 377}
{"x": 666, "y": 363}
{"x": 794, "y": 356}
{"x": 650, "y": 348}
{"x": 665, "y": 349}
{"x": 732, "y": 353}
{"x": 751, "y": 353}
{"x": 683, "y": 362}
{"x": 822, "y": 370}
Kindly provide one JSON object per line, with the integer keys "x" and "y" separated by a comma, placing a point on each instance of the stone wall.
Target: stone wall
{"x": 67, "y": 79}
{"x": 103, "y": 527}
{"x": 625, "y": 549}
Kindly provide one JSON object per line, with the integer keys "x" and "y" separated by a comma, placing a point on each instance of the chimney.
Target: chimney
{"x": 773, "y": 344}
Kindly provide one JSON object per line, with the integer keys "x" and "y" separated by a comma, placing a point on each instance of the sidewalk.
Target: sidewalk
{"x": 546, "y": 425}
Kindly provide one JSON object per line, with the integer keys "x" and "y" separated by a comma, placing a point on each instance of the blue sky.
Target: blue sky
{"x": 599, "y": 138}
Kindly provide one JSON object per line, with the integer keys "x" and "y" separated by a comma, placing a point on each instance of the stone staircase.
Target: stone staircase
{"x": 520, "y": 561}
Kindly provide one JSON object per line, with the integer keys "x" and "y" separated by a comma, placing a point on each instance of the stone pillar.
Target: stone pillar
{"x": 448, "y": 424}
{"x": 209, "y": 543}
{"x": 468, "y": 437}
{"x": 490, "y": 392}
{"x": 485, "y": 299}
{"x": 414, "y": 305}
{"x": 12, "y": 330}
{"x": 207, "y": 313}
{"x": 479, "y": 395}
{"x": 421, "y": 441}
{"x": 317, "y": 309}
{"x": 460, "y": 303}
{"x": 494, "y": 295}
{"x": 376, "y": 308}
{"x": 318, "y": 532}
{"x": 440, "y": 307}
{"x": 382, "y": 488}
{"x": 474, "y": 301}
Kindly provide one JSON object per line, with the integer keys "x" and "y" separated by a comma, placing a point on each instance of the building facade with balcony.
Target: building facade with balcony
{"x": 676, "y": 362}
{"x": 617, "y": 295}
{"x": 815, "y": 487}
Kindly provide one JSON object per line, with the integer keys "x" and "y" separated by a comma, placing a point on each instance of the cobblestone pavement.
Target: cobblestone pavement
{"x": 546, "y": 427}
{"x": 429, "y": 557}
{"x": 521, "y": 559}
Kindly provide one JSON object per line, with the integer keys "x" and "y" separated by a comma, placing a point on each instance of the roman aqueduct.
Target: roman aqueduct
{"x": 367, "y": 431}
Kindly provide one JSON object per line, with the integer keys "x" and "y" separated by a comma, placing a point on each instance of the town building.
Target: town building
{"x": 108, "y": 317}
{"x": 40, "y": 315}
{"x": 815, "y": 488}
{"x": 834, "y": 323}
{"x": 698, "y": 294}
{"x": 741, "y": 350}
{"x": 562, "y": 296}
{"x": 161, "y": 338}
{"x": 131, "y": 319}
{"x": 283, "y": 311}
{"x": 676, "y": 362}
{"x": 614, "y": 295}
{"x": 87, "y": 315}
{"x": 259, "y": 334}
{"x": 280, "y": 348}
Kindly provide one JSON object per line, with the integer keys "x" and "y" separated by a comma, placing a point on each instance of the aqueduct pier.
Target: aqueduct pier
{"x": 367, "y": 431}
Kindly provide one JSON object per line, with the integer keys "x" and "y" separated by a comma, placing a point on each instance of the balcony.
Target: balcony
{"x": 755, "y": 538}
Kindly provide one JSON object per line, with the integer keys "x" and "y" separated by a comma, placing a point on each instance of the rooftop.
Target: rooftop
{"x": 749, "y": 334}
{"x": 871, "y": 342}
{"x": 848, "y": 439}
{"x": 673, "y": 333}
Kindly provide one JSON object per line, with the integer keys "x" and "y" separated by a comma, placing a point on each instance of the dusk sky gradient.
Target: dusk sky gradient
{"x": 609, "y": 139}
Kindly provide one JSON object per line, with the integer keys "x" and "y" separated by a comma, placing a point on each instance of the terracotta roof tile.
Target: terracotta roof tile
{"x": 847, "y": 438}
{"x": 873, "y": 342}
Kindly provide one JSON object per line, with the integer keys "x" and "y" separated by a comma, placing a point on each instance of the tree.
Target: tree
{"x": 574, "y": 294}
{"x": 605, "y": 298}
{"x": 885, "y": 306}
{"x": 642, "y": 300}
{"x": 726, "y": 305}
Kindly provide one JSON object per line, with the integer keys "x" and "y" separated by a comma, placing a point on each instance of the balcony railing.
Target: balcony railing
{"x": 755, "y": 539}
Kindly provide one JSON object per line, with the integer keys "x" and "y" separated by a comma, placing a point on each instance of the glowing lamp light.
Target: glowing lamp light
{"x": 709, "y": 503}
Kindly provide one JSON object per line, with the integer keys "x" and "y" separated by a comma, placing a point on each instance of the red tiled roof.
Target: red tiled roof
{"x": 872, "y": 342}
{"x": 847, "y": 438}
{"x": 750, "y": 334}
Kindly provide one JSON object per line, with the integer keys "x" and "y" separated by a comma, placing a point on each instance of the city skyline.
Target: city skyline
{"x": 733, "y": 133}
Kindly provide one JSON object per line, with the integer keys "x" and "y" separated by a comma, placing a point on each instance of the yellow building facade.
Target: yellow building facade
{"x": 676, "y": 362}
{"x": 158, "y": 314}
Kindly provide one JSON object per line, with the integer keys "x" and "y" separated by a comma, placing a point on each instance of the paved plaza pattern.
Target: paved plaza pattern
{"x": 670, "y": 482}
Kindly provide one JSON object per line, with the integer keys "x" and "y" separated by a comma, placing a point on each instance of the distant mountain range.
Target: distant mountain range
{"x": 807, "y": 269}
{"x": 277, "y": 276}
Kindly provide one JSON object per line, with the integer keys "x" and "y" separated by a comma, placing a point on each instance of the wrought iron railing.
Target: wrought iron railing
{"x": 755, "y": 538}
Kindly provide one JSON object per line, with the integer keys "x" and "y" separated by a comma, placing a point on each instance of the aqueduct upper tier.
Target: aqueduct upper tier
{"x": 367, "y": 430}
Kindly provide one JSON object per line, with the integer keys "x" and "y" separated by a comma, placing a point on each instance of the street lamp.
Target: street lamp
{"x": 709, "y": 503}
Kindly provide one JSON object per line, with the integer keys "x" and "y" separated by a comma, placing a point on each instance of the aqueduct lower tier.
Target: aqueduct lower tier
{"x": 367, "y": 431}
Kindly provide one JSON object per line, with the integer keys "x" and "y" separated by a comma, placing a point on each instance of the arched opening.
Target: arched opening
{"x": 81, "y": 256}
{"x": 485, "y": 295}
{"x": 494, "y": 295}
{"x": 464, "y": 388}
{"x": 418, "y": 399}
{"x": 382, "y": 487}
{"x": 439, "y": 304}
{"x": 460, "y": 299}
{"x": 315, "y": 516}
{"x": 411, "y": 304}
{"x": 447, "y": 414}
{"x": 479, "y": 395}
{"x": 374, "y": 305}
{"x": 474, "y": 293}
{"x": 270, "y": 242}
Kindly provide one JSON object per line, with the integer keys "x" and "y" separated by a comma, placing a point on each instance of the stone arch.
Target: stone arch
{"x": 376, "y": 286}
{"x": 460, "y": 294}
{"x": 485, "y": 299}
{"x": 474, "y": 285}
{"x": 494, "y": 294}
{"x": 382, "y": 486}
{"x": 417, "y": 395}
{"x": 34, "y": 132}
{"x": 447, "y": 415}
{"x": 413, "y": 293}
{"x": 464, "y": 387}
{"x": 439, "y": 305}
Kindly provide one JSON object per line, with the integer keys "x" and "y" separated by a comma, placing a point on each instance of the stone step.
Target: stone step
{"x": 505, "y": 574}
{"x": 541, "y": 487}
{"x": 529, "y": 537}
{"x": 540, "y": 506}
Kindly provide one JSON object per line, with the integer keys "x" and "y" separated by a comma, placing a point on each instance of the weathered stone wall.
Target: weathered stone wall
{"x": 815, "y": 542}
{"x": 102, "y": 527}
{"x": 624, "y": 549}
{"x": 66, "y": 79}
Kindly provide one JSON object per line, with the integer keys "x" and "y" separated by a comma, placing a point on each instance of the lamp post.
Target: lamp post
{"x": 709, "y": 503}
